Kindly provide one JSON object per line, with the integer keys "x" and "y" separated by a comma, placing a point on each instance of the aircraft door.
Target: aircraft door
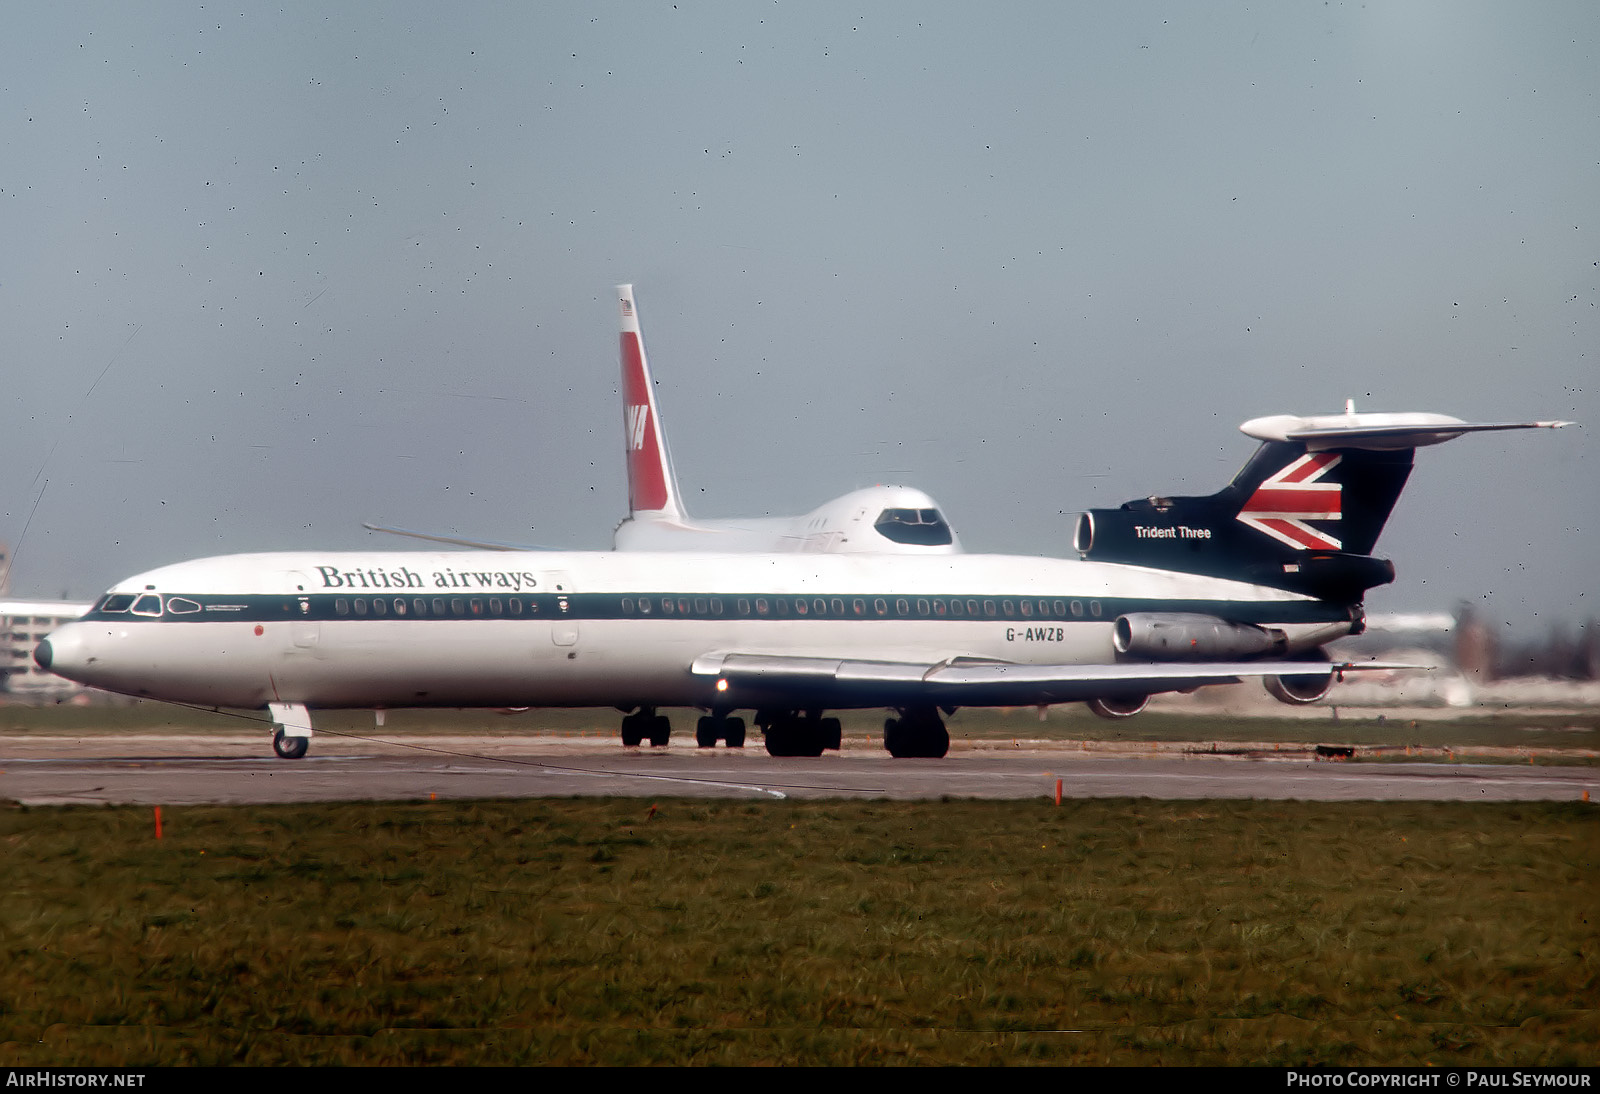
{"x": 563, "y": 623}
{"x": 305, "y": 633}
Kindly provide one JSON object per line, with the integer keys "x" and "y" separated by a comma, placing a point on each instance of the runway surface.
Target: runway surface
{"x": 180, "y": 770}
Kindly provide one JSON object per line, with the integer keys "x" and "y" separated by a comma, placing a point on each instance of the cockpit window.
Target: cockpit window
{"x": 117, "y": 602}
{"x": 148, "y": 604}
{"x": 921, "y": 527}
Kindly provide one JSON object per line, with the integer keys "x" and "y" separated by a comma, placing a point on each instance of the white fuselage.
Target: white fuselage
{"x": 364, "y": 630}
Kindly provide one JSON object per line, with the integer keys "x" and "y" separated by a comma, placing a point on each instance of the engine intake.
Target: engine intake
{"x": 1298, "y": 690}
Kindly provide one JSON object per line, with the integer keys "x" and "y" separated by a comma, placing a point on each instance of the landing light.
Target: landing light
{"x": 722, "y": 685}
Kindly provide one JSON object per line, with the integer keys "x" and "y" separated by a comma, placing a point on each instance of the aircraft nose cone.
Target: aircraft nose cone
{"x": 63, "y": 654}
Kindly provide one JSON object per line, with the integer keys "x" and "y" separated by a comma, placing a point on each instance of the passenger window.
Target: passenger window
{"x": 457, "y": 606}
{"x": 399, "y": 605}
{"x": 955, "y": 607}
{"x": 880, "y": 606}
{"x": 1027, "y": 608}
{"x": 361, "y": 605}
{"x": 516, "y": 605}
{"x": 800, "y": 606}
{"x": 380, "y": 607}
{"x": 922, "y": 607}
{"x": 495, "y": 607}
{"x": 341, "y": 606}
{"x": 761, "y": 605}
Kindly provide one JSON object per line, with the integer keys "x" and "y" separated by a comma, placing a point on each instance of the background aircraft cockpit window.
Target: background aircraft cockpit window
{"x": 919, "y": 527}
{"x": 117, "y": 602}
{"x": 148, "y": 604}
{"x": 182, "y": 605}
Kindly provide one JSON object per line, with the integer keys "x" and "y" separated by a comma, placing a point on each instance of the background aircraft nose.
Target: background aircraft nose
{"x": 42, "y": 654}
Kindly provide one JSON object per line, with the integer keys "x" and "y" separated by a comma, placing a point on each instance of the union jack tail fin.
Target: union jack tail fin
{"x": 1303, "y": 514}
{"x": 652, "y": 487}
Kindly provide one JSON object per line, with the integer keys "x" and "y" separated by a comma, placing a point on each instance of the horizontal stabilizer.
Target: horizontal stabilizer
{"x": 1374, "y": 432}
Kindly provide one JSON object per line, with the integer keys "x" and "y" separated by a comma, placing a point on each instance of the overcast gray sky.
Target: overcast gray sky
{"x": 267, "y": 273}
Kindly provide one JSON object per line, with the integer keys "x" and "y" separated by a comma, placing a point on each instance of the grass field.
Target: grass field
{"x": 584, "y": 931}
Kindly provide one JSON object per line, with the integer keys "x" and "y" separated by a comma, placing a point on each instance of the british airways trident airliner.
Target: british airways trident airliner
{"x": 1167, "y": 594}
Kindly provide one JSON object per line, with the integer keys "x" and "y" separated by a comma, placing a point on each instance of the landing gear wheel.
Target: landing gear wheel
{"x": 735, "y": 734}
{"x": 793, "y": 736}
{"x": 919, "y": 734}
{"x": 705, "y": 732}
{"x": 660, "y": 731}
{"x": 832, "y": 733}
{"x": 289, "y": 748}
{"x": 632, "y": 730}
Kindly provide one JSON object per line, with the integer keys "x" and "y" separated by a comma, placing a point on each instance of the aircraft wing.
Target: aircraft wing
{"x": 479, "y": 544}
{"x": 971, "y": 682}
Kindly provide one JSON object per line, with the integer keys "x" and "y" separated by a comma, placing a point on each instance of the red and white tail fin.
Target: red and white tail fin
{"x": 652, "y": 488}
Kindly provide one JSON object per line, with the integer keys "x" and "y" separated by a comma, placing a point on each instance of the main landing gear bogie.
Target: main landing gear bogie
{"x": 791, "y": 734}
{"x": 916, "y": 733}
{"x": 644, "y": 725}
{"x": 708, "y": 731}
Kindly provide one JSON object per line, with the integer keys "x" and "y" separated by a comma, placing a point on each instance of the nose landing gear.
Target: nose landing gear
{"x": 291, "y": 734}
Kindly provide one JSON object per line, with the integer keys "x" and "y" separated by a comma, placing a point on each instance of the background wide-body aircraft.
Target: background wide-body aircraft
{"x": 896, "y": 520}
{"x": 787, "y": 618}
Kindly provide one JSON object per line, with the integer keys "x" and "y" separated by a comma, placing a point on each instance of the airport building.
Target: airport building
{"x": 23, "y": 623}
